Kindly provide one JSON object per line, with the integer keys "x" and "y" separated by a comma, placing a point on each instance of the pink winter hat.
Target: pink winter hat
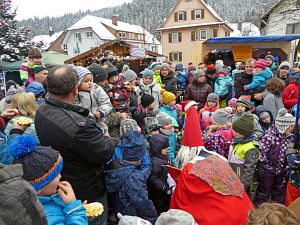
{"x": 261, "y": 63}
{"x": 232, "y": 102}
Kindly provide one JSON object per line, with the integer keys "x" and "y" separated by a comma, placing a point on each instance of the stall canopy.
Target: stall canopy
{"x": 50, "y": 59}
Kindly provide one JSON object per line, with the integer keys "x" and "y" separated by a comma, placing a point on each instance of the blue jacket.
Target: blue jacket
{"x": 181, "y": 78}
{"x": 260, "y": 80}
{"x": 294, "y": 168}
{"x": 57, "y": 212}
{"x": 222, "y": 85}
{"x": 171, "y": 111}
{"x": 128, "y": 183}
{"x": 5, "y": 157}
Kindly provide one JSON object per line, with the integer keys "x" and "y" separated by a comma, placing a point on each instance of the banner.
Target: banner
{"x": 241, "y": 53}
{"x": 138, "y": 52}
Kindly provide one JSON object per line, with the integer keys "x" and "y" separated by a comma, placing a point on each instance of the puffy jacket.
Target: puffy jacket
{"x": 260, "y": 80}
{"x": 290, "y": 95}
{"x": 181, "y": 78}
{"x": 157, "y": 79}
{"x": 293, "y": 160}
{"x": 152, "y": 89}
{"x": 26, "y": 71}
{"x": 273, "y": 103}
{"x": 205, "y": 115}
{"x": 198, "y": 92}
{"x": 258, "y": 110}
{"x": 222, "y": 85}
{"x": 171, "y": 111}
{"x": 59, "y": 213}
{"x": 81, "y": 143}
{"x": 240, "y": 80}
{"x": 170, "y": 83}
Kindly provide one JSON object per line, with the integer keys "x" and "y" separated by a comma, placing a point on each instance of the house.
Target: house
{"x": 92, "y": 31}
{"x": 188, "y": 25}
{"x": 244, "y": 29}
{"x": 283, "y": 18}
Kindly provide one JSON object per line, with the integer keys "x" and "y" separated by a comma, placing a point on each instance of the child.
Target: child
{"x": 222, "y": 83}
{"x": 265, "y": 117}
{"x": 168, "y": 79}
{"x": 181, "y": 77}
{"x": 148, "y": 86}
{"x": 127, "y": 180}
{"x": 262, "y": 74}
{"x": 212, "y": 104}
{"x": 42, "y": 167}
{"x": 26, "y": 71}
{"x": 38, "y": 90}
{"x": 155, "y": 67}
{"x": 165, "y": 122}
{"x": 219, "y": 135}
{"x": 232, "y": 103}
{"x": 274, "y": 145}
{"x": 99, "y": 73}
{"x": 191, "y": 71}
{"x": 159, "y": 189}
{"x": 243, "y": 155}
{"x": 168, "y": 100}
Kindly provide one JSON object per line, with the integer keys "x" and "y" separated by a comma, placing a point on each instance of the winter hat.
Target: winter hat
{"x": 261, "y": 63}
{"x": 163, "y": 118}
{"x": 228, "y": 109}
{"x": 223, "y": 71}
{"x": 38, "y": 69}
{"x": 165, "y": 65}
{"x": 191, "y": 67}
{"x": 128, "y": 125}
{"x": 167, "y": 97}
{"x": 244, "y": 125}
{"x": 232, "y": 102}
{"x": 128, "y": 74}
{"x": 284, "y": 120}
{"x": 147, "y": 73}
{"x": 198, "y": 73}
{"x": 133, "y": 146}
{"x": 111, "y": 69}
{"x": 219, "y": 64}
{"x": 175, "y": 217}
{"x": 147, "y": 100}
{"x": 270, "y": 57}
{"x": 36, "y": 88}
{"x": 99, "y": 73}
{"x": 151, "y": 124}
{"x": 246, "y": 102}
{"x": 131, "y": 220}
{"x": 41, "y": 165}
{"x": 213, "y": 97}
{"x": 10, "y": 93}
{"x": 187, "y": 104}
{"x": 81, "y": 71}
{"x": 263, "y": 115}
{"x": 220, "y": 116}
{"x": 120, "y": 66}
{"x": 157, "y": 143}
{"x": 178, "y": 67}
{"x": 155, "y": 65}
{"x": 284, "y": 64}
{"x": 211, "y": 69}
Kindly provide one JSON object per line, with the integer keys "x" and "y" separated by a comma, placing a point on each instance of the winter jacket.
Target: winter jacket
{"x": 286, "y": 80}
{"x": 26, "y": 71}
{"x": 181, "y": 78}
{"x": 210, "y": 81}
{"x": 274, "y": 69}
{"x": 190, "y": 78}
{"x": 157, "y": 79}
{"x": 243, "y": 158}
{"x": 258, "y": 110}
{"x": 113, "y": 122}
{"x": 240, "y": 80}
{"x": 293, "y": 160}
{"x": 152, "y": 89}
{"x": 222, "y": 85}
{"x": 18, "y": 201}
{"x": 260, "y": 80}
{"x": 205, "y": 115}
{"x": 172, "y": 146}
{"x": 84, "y": 148}
{"x": 290, "y": 95}
{"x": 171, "y": 111}
{"x": 120, "y": 98}
{"x": 127, "y": 182}
{"x": 170, "y": 83}
{"x": 133, "y": 100}
{"x": 57, "y": 212}
{"x": 140, "y": 114}
{"x": 198, "y": 92}
{"x": 273, "y": 103}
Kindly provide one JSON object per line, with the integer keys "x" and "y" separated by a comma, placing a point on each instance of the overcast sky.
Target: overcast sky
{"x": 41, "y": 8}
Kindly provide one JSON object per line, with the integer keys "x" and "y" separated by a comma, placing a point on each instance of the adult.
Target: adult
{"x": 290, "y": 92}
{"x": 244, "y": 78}
{"x": 283, "y": 72}
{"x": 40, "y": 74}
{"x": 202, "y": 66}
{"x": 211, "y": 75}
{"x": 271, "y": 64}
{"x": 66, "y": 127}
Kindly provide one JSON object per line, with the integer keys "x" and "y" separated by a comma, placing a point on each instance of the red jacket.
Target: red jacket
{"x": 205, "y": 115}
{"x": 290, "y": 95}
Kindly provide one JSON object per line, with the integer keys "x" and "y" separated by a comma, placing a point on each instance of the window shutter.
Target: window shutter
{"x": 185, "y": 17}
{"x": 180, "y": 56}
{"x": 193, "y": 14}
{"x": 176, "y": 17}
{"x": 193, "y": 35}
{"x": 202, "y": 13}
{"x": 179, "y": 37}
{"x": 170, "y": 57}
{"x": 215, "y": 33}
{"x": 170, "y": 37}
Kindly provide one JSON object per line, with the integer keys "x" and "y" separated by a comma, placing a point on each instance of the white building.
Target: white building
{"x": 244, "y": 29}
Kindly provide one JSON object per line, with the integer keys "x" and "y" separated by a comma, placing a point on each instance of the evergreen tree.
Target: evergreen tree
{"x": 14, "y": 41}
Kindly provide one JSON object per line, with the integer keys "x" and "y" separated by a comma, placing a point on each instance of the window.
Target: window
{"x": 197, "y": 14}
{"x": 65, "y": 46}
{"x": 122, "y": 34}
{"x": 131, "y": 35}
{"x": 197, "y": 35}
{"x": 154, "y": 48}
{"x": 293, "y": 28}
{"x": 76, "y": 51}
{"x": 215, "y": 33}
{"x": 141, "y": 37}
{"x": 180, "y": 16}
{"x": 210, "y": 33}
{"x": 227, "y": 34}
{"x": 78, "y": 35}
{"x": 89, "y": 34}
{"x": 203, "y": 35}
{"x": 175, "y": 56}
{"x": 174, "y": 37}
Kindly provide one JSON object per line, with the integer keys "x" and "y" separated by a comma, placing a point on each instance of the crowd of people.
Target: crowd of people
{"x": 202, "y": 144}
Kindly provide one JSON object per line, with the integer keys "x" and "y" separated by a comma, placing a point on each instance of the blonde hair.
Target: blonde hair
{"x": 271, "y": 214}
{"x": 25, "y": 103}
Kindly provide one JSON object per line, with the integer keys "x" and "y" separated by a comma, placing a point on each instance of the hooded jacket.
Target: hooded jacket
{"x": 260, "y": 80}
{"x": 240, "y": 80}
{"x": 181, "y": 78}
{"x": 258, "y": 110}
{"x": 170, "y": 82}
{"x": 222, "y": 85}
{"x": 198, "y": 92}
{"x": 290, "y": 95}
{"x": 152, "y": 89}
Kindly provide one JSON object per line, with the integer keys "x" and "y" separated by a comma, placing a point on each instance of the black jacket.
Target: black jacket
{"x": 81, "y": 143}
{"x": 170, "y": 83}
{"x": 240, "y": 80}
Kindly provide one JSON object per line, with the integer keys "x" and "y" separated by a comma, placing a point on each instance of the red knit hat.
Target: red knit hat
{"x": 261, "y": 63}
{"x": 211, "y": 69}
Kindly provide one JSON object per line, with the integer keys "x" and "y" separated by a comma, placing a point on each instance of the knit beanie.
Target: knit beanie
{"x": 128, "y": 125}
{"x": 111, "y": 69}
{"x": 163, "y": 118}
{"x": 178, "y": 67}
{"x": 99, "y": 73}
{"x": 157, "y": 143}
{"x": 175, "y": 217}
{"x": 167, "y": 97}
{"x": 133, "y": 146}
{"x": 220, "y": 116}
{"x": 219, "y": 64}
{"x": 246, "y": 102}
{"x": 244, "y": 125}
{"x": 223, "y": 71}
{"x": 147, "y": 100}
{"x": 213, "y": 97}
{"x": 81, "y": 71}
{"x": 198, "y": 73}
{"x": 155, "y": 65}
{"x": 270, "y": 57}
{"x": 284, "y": 120}
{"x": 232, "y": 102}
{"x": 165, "y": 65}
{"x": 191, "y": 67}
{"x": 36, "y": 88}
{"x": 147, "y": 73}
{"x": 41, "y": 165}
{"x": 120, "y": 66}
{"x": 284, "y": 64}
{"x": 131, "y": 220}
{"x": 261, "y": 63}
{"x": 211, "y": 69}
{"x": 10, "y": 93}
{"x": 128, "y": 74}
{"x": 38, "y": 69}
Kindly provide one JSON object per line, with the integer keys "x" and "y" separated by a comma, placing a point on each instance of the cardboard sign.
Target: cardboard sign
{"x": 241, "y": 53}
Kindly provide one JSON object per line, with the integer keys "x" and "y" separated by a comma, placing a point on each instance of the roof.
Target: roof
{"x": 245, "y": 39}
{"x": 195, "y": 25}
{"x": 248, "y": 29}
{"x": 46, "y": 39}
{"x": 271, "y": 9}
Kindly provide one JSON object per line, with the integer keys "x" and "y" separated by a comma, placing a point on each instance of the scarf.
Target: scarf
{"x": 243, "y": 140}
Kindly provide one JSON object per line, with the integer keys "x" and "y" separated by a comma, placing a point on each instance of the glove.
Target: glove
{"x": 245, "y": 88}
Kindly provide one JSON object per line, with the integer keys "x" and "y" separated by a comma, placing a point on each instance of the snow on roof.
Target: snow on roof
{"x": 271, "y": 9}
{"x": 248, "y": 29}
{"x": 215, "y": 14}
{"x": 192, "y": 25}
{"x": 46, "y": 39}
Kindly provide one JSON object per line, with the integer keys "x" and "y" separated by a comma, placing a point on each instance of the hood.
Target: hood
{"x": 181, "y": 73}
{"x": 52, "y": 199}
{"x": 259, "y": 109}
{"x": 157, "y": 143}
{"x": 10, "y": 172}
{"x": 225, "y": 78}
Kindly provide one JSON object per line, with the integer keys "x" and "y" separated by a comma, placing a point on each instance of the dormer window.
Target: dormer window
{"x": 197, "y": 14}
{"x": 180, "y": 16}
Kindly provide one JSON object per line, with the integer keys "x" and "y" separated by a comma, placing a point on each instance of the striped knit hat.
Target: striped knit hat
{"x": 81, "y": 71}
{"x": 41, "y": 165}
{"x": 284, "y": 120}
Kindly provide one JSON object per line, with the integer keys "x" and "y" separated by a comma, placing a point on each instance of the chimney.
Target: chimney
{"x": 114, "y": 20}
{"x": 239, "y": 26}
{"x": 51, "y": 32}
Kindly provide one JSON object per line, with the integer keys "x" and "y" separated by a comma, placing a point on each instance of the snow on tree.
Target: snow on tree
{"x": 14, "y": 41}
